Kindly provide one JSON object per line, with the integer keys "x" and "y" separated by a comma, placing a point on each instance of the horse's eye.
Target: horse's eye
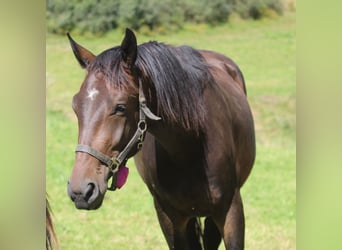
{"x": 119, "y": 109}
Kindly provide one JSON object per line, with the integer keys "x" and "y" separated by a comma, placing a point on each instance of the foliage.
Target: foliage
{"x": 257, "y": 8}
{"x": 100, "y": 16}
{"x": 95, "y": 17}
{"x": 152, "y": 14}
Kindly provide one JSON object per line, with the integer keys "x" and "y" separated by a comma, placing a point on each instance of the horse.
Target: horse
{"x": 51, "y": 237}
{"x": 183, "y": 115}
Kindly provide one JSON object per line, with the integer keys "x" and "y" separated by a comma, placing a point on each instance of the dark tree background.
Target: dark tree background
{"x": 100, "y": 16}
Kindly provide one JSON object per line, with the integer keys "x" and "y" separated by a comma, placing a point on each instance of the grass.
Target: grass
{"x": 266, "y": 52}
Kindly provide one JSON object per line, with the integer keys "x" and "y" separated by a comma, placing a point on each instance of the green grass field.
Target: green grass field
{"x": 265, "y": 50}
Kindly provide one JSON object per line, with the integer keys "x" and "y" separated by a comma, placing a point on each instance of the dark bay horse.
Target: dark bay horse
{"x": 184, "y": 116}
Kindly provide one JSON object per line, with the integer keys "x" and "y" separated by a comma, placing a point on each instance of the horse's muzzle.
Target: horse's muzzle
{"x": 88, "y": 197}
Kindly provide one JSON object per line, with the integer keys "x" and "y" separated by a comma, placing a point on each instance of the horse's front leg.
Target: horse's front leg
{"x": 232, "y": 224}
{"x": 173, "y": 227}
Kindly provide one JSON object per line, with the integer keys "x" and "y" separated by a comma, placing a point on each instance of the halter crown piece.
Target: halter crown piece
{"x": 113, "y": 163}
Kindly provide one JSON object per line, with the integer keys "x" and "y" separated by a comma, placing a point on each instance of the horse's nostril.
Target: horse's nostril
{"x": 89, "y": 191}
{"x": 72, "y": 195}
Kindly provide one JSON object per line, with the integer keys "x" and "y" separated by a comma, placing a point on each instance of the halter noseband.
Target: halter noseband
{"x": 113, "y": 163}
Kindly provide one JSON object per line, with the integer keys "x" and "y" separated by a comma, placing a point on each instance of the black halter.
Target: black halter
{"x": 113, "y": 163}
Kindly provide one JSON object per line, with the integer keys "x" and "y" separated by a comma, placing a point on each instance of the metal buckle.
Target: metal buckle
{"x": 114, "y": 165}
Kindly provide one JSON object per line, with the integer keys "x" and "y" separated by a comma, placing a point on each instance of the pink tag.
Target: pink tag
{"x": 121, "y": 176}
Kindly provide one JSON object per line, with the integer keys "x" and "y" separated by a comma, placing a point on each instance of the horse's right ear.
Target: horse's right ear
{"x": 83, "y": 56}
{"x": 129, "y": 48}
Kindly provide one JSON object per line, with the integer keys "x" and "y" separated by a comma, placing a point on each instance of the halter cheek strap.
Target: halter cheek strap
{"x": 98, "y": 155}
{"x": 113, "y": 163}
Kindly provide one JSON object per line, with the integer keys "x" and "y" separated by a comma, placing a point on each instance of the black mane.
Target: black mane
{"x": 178, "y": 75}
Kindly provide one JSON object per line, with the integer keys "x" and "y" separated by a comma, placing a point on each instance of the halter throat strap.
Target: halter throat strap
{"x": 113, "y": 163}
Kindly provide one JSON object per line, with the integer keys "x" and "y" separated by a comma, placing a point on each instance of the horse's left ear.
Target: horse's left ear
{"x": 129, "y": 48}
{"x": 83, "y": 56}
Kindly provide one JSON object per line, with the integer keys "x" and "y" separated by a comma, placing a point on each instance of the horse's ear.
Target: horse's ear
{"x": 83, "y": 56}
{"x": 129, "y": 48}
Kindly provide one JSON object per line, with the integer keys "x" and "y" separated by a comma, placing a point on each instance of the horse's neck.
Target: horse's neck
{"x": 179, "y": 144}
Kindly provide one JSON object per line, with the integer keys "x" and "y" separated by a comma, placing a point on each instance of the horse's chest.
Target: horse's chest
{"x": 186, "y": 190}
{"x": 180, "y": 184}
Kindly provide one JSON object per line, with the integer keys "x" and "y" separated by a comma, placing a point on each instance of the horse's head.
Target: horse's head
{"x": 110, "y": 119}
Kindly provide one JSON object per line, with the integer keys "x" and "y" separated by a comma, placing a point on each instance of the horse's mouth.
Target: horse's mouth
{"x": 84, "y": 205}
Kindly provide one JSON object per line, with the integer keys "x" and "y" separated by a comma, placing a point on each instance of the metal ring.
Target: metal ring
{"x": 142, "y": 126}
